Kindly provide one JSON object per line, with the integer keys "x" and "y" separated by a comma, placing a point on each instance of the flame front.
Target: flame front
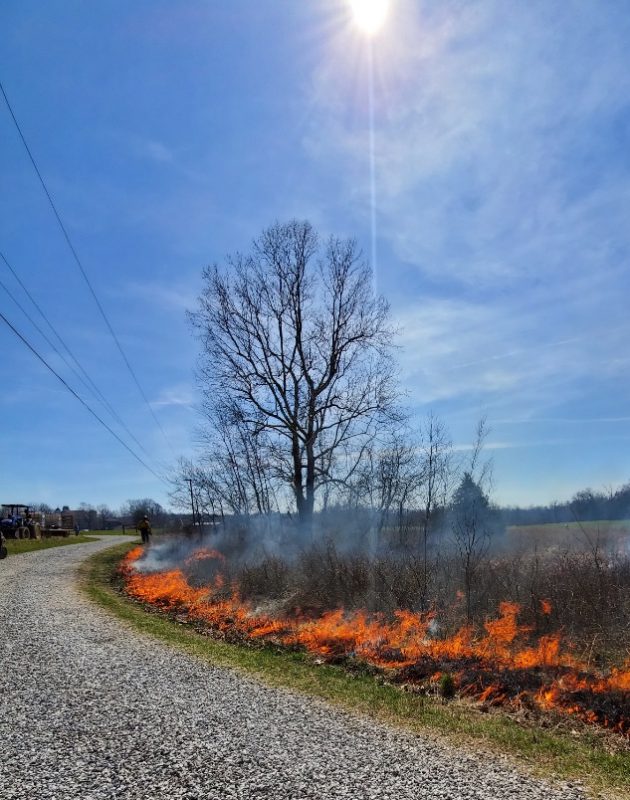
{"x": 502, "y": 666}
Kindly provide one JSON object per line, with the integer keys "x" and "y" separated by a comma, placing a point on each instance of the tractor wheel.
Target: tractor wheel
{"x": 37, "y": 531}
{"x": 23, "y": 533}
{"x": 3, "y": 551}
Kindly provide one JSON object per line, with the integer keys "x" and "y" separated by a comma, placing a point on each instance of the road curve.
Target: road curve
{"x": 91, "y": 709}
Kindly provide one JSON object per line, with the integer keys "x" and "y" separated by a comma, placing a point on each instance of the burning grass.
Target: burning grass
{"x": 600, "y": 760}
{"x": 503, "y": 664}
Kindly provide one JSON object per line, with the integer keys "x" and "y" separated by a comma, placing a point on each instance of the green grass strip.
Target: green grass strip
{"x": 129, "y": 531}
{"x": 546, "y": 753}
{"x": 16, "y": 546}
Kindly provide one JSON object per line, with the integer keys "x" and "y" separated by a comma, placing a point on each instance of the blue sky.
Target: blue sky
{"x": 170, "y": 134}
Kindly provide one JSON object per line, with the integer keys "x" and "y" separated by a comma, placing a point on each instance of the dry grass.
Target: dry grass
{"x": 577, "y": 754}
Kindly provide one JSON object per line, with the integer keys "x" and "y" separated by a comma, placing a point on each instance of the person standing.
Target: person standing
{"x": 144, "y": 526}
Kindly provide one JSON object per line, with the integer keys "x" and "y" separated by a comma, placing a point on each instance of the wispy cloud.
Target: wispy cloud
{"x": 462, "y": 349}
{"x": 169, "y": 295}
{"x": 519, "y": 444}
{"x": 559, "y": 420}
{"x": 504, "y": 185}
{"x": 491, "y": 156}
{"x": 151, "y": 149}
{"x": 180, "y": 395}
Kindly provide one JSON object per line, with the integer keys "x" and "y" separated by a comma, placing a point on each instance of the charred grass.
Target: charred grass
{"x": 551, "y": 747}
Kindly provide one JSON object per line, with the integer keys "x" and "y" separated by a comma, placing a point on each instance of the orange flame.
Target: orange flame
{"x": 401, "y": 643}
{"x": 203, "y": 554}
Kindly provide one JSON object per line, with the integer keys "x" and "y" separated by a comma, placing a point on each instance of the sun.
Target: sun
{"x": 369, "y": 15}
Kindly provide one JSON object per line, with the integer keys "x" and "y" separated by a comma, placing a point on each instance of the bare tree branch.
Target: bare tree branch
{"x": 293, "y": 338}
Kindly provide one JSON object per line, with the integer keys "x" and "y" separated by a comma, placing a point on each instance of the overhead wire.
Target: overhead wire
{"x": 79, "y": 398}
{"x": 79, "y": 372}
{"x": 82, "y": 270}
{"x": 40, "y": 331}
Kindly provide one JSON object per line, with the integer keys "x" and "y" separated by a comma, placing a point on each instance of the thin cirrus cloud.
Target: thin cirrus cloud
{"x": 501, "y": 142}
{"x": 492, "y": 156}
{"x": 455, "y": 349}
{"x": 168, "y": 295}
{"x": 175, "y": 396}
{"x": 151, "y": 149}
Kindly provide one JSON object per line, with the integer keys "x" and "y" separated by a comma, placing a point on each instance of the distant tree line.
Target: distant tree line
{"x": 587, "y": 505}
{"x": 103, "y": 517}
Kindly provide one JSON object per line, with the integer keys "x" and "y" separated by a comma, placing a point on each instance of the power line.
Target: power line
{"x": 79, "y": 398}
{"x": 87, "y": 381}
{"x": 40, "y": 331}
{"x": 82, "y": 270}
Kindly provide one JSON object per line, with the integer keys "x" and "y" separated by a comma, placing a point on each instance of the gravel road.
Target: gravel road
{"x": 90, "y": 709}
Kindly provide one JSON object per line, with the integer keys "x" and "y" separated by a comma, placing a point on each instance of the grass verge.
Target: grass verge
{"x": 553, "y": 754}
{"x": 129, "y": 531}
{"x": 15, "y": 546}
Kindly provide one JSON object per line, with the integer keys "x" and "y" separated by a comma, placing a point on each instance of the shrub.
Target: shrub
{"x": 446, "y": 686}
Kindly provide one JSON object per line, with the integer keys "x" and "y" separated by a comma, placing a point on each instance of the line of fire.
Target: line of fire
{"x": 504, "y": 663}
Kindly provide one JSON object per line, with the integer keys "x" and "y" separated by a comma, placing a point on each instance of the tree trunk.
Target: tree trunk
{"x": 306, "y": 516}
{"x": 425, "y": 580}
{"x": 297, "y": 474}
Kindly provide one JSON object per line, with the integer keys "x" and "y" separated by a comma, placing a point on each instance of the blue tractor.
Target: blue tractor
{"x": 18, "y": 523}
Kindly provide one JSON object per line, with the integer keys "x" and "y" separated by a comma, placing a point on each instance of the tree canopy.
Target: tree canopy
{"x": 296, "y": 367}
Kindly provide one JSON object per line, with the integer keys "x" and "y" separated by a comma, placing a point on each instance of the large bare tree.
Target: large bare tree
{"x": 295, "y": 340}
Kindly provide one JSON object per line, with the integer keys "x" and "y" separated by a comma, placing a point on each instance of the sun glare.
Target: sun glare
{"x": 369, "y": 15}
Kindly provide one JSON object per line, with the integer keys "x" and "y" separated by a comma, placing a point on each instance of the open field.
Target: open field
{"x": 15, "y": 546}
{"x": 565, "y": 750}
{"x": 608, "y": 535}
